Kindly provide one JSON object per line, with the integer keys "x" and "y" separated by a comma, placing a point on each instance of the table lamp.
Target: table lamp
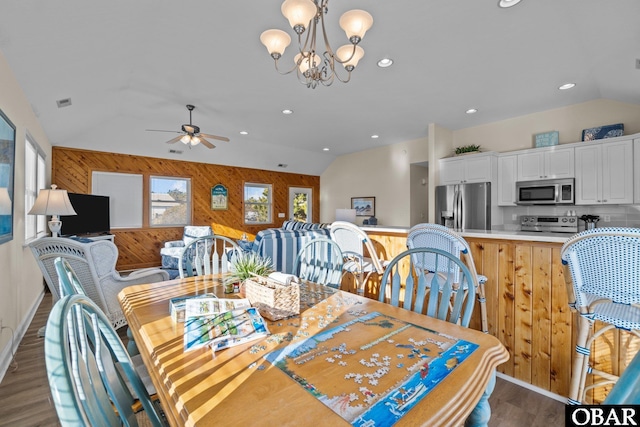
{"x": 53, "y": 202}
{"x": 5, "y": 201}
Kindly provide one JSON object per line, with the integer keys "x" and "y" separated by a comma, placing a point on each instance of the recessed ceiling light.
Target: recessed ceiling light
{"x": 244, "y": 132}
{"x": 385, "y": 62}
{"x": 287, "y": 111}
{"x": 508, "y": 3}
{"x": 471, "y": 111}
{"x": 375, "y": 136}
{"x": 567, "y": 86}
{"x": 325, "y": 149}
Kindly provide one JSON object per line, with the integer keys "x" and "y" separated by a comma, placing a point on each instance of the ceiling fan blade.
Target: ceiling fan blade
{"x": 219, "y": 138}
{"x": 158, "y": 130}
{"x": 174, "y": 140}
{"x": 205, "y": 142}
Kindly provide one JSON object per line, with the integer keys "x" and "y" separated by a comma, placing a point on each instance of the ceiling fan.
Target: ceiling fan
{"x": 191, "y": 135}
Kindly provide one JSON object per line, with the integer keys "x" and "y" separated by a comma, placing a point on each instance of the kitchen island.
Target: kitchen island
{"x": 527, "y": 304}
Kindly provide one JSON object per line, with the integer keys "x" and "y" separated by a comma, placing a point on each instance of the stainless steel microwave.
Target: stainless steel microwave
{"x": 546, "y": 192}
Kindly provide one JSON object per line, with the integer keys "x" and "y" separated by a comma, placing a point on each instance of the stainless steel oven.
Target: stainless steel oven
{"x": 546, "y": 192}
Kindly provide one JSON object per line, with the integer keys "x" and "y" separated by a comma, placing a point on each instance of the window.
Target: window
{"x": 34, "y": 181}
{"x": 257, "y": 203}
{"x": 170, "y": 201}
{"x": 300, "y": 204}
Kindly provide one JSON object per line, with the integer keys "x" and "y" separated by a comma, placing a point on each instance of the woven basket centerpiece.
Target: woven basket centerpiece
{"x": 273, "y": 299}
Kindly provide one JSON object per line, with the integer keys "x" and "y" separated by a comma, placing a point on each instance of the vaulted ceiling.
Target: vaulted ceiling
{"x": 128, "y": 66}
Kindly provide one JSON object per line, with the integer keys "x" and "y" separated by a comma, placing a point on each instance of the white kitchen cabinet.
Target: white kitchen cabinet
{"x": 467, "y": 169}
{"x": 507, "y": 173}
{"x": 636, "y": 170}
{"x": 546, "y": 163}
{"x": 604, "y": 173}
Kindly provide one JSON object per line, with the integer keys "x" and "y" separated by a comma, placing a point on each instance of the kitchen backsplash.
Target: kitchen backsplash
{"x": 620, "y": 216}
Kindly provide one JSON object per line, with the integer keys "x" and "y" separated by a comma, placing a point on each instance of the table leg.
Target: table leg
{"x": 481, "y": 414}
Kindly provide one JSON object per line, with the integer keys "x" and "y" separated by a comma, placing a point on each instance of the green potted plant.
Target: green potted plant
{"x": 465, "y": 149}
{"x": 244, "y": 266}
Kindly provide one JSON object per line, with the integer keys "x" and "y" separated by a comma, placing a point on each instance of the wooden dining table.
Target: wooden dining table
{"x": 243, "y": 385}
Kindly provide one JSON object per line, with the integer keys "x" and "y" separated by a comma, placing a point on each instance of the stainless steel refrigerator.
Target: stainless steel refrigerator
{"x": 464, "y": 206}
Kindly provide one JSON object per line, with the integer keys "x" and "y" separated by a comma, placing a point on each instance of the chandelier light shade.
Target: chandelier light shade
{"x": 299, "y": 13}
{"x": 355, "y": 24}
{"x": 316, "y": 64}
{"x": 349, "y": 57}
{"x": 5, "y": 201}
{"x": 276, "y": 41}
{"x": 53, "y": 202}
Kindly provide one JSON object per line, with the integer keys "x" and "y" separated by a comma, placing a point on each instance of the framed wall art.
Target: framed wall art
{"x": 219, "y": 198}
{"x": 364, "y": 206}
{"x": 7, "y": 160}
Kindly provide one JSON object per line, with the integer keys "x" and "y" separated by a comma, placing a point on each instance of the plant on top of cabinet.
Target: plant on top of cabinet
{"x": 471, "y": 148}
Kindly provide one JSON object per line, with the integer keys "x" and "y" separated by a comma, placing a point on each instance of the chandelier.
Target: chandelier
{"x": 308, "y": 16}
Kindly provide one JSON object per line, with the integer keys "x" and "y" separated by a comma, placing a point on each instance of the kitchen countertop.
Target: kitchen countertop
{"x": 484, "y": 234}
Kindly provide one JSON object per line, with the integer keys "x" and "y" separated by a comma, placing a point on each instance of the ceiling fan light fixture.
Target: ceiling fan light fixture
{"x": 185, "y": 139}
{"x": 195, "y": 140}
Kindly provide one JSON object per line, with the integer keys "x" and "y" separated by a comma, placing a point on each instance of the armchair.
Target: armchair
{"x": 95, "y": 266}
{"x": 173, "y": 249}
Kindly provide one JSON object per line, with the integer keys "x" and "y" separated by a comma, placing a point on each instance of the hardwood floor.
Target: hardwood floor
{"x": 25, "y": 399}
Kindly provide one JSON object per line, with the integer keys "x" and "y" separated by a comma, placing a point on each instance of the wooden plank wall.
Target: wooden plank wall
{"x": 138, "y": 248}
{"x": 528, "y": 311}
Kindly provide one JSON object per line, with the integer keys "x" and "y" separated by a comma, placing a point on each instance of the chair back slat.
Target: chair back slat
{"x": 81, "y": 353}
{"x": 211, "y": 254}
{"x": 442, "y": 293}
{"x": 320, "y": 260}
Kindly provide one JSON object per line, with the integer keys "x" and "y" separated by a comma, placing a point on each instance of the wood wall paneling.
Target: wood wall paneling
{"x": 139, "y": 248}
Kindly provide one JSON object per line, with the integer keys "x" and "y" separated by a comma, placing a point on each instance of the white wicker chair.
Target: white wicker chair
{"x": 352, "y": 241}
{"x": 603, "y": 284}
{"x": 95, "y": 266}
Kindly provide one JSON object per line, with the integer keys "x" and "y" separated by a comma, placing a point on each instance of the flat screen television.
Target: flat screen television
{"x": 92, "y": 218}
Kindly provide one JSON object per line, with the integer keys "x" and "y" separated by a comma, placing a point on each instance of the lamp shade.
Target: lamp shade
{"x": 276, "y": 41}
{"x": 5, "y": 201}
{"x": 307, "y": 62}
{"x": 355, "y": 23}
{"x": 345, "y": 54}
{"x": 52, "y": 202}
{"x": 299, "y": 12}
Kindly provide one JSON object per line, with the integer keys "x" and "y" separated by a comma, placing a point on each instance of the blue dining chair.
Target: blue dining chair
{"x": 437, "y": 284}
{"x": 627, "y": 388}
{"x": 320, "y": 261}
{"x": 603, "y": 285}
{"x": 81, "y": 353}
{"x": 437, "y": 236}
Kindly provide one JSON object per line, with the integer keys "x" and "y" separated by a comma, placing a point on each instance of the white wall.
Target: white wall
{"x": 384, "y": 172}
{"x": 517, "y": 133}
{"x": 21, "y": 285}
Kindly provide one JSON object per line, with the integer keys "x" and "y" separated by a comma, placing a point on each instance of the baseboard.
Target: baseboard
{"x": 532, "y": 387}
{"x": 7, "y": 352}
